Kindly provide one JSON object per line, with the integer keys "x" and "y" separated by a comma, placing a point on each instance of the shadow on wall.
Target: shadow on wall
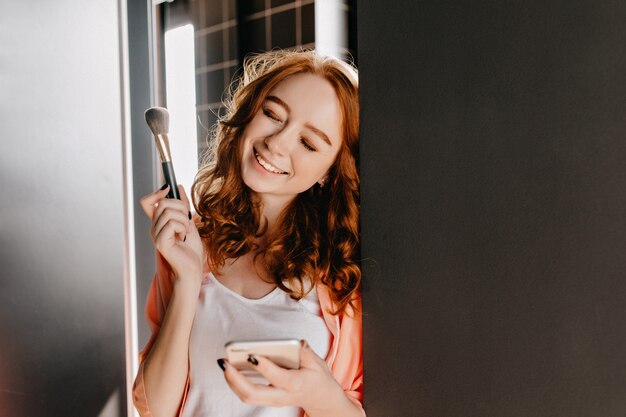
{"x": 61, "y": 322}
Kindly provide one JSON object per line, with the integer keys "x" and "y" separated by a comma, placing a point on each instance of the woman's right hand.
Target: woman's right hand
{"x": 173, "y": 234}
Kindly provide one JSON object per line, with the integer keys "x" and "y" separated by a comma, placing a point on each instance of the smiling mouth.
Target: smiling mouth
{"x": 268, "y": 167}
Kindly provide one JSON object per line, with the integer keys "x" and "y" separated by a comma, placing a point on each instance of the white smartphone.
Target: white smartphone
{"x": 283, "y": 352}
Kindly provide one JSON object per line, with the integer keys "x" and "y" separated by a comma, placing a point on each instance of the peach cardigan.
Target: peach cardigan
{"x": 344, "y": 358}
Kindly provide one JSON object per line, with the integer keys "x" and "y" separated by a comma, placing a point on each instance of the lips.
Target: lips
{"x": 266, "y": 165}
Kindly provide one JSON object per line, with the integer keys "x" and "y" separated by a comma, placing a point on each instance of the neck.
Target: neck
{"x": 271, "y": 208}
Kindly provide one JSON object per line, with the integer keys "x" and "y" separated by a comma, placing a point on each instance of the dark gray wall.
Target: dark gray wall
{"x": 494, "y": 207}
{"x": 61, "y": 210}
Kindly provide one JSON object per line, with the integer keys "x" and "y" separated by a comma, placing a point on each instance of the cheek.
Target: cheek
{"x": 317, "y": 169}
{"x": 242, "y": 144}
{"x": 258, "y": 123}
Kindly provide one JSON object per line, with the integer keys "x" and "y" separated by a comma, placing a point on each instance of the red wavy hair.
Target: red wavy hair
{"x": 318, "y": 233}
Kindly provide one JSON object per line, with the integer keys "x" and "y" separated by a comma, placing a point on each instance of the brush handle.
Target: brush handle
{"x": 170, "y": 178}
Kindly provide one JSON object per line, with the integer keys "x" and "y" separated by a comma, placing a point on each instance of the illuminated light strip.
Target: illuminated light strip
{"x": 331, "y": 29}
{"x": 130, "y": 269}
{"x": 180, "y": 90}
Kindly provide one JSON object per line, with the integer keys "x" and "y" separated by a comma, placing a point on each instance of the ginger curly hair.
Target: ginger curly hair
{"x": 318, "y": 233}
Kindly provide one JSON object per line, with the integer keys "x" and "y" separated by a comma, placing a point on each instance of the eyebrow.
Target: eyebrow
{"x": 315, "y": 130}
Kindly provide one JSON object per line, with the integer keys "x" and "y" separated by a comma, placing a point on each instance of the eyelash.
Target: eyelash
{"x": 271, "y": 116}
{"x": 306, "y": 145}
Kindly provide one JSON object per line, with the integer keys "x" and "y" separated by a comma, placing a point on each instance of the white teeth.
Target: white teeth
{"x": 267, "y": 165}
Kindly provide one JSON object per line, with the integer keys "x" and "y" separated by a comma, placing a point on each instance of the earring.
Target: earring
{"x": 322, "y": 182}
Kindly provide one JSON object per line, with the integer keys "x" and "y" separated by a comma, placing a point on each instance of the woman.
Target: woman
{"x": 271, "y": 254}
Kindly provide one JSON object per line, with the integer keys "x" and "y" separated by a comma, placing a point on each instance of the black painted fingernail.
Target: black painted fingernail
{"x": 163, "y": 187}
{"x": 189, "y": 215}
{"x": 222, "y": 364}
{"x": 252, "y": 360}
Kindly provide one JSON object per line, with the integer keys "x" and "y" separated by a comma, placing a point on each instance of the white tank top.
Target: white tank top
{"x": 223, "y": 315}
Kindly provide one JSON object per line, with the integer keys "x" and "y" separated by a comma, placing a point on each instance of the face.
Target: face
{"x": 293, "y": 140}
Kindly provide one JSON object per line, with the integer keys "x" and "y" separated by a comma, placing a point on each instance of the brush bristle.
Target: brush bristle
{"x": 158, "y": 119}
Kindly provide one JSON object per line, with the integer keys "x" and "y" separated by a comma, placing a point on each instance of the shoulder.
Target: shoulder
{"x": 353, "y": 309}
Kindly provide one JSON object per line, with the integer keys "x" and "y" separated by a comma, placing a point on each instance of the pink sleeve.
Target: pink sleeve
{"x": 346, "y": 357}
{"x": 139, "y": 394}
{"x": 156, "y": 305}
{"x": 348, "y": 365}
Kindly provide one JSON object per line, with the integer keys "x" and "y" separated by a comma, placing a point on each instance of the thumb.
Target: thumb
{"x": 308, "y": 358}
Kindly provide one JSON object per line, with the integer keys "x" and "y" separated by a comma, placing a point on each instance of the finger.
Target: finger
{"x": 148, "y": 202}
{"x": 257, "y": 394}
{"x": 170, "y": 215}
{"x": 170, "y": 205}
{"x": 277, "y": 376}
{"x": 166, "y": 236}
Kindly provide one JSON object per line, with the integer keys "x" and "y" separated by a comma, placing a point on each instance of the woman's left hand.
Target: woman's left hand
{"x": 312, "y": 387}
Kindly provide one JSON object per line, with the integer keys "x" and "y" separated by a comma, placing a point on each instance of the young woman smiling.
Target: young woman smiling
{"x": 272, "y": 252}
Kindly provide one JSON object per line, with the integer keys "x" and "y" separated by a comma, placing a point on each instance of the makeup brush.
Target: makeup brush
{"x": 158, "y": 119}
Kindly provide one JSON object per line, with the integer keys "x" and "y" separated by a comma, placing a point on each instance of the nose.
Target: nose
{"x": 279, "y": 142}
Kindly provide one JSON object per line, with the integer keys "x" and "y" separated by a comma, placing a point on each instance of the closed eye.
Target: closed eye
{"x": 308, "y": 147}
{"x": 271, "y": 115}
